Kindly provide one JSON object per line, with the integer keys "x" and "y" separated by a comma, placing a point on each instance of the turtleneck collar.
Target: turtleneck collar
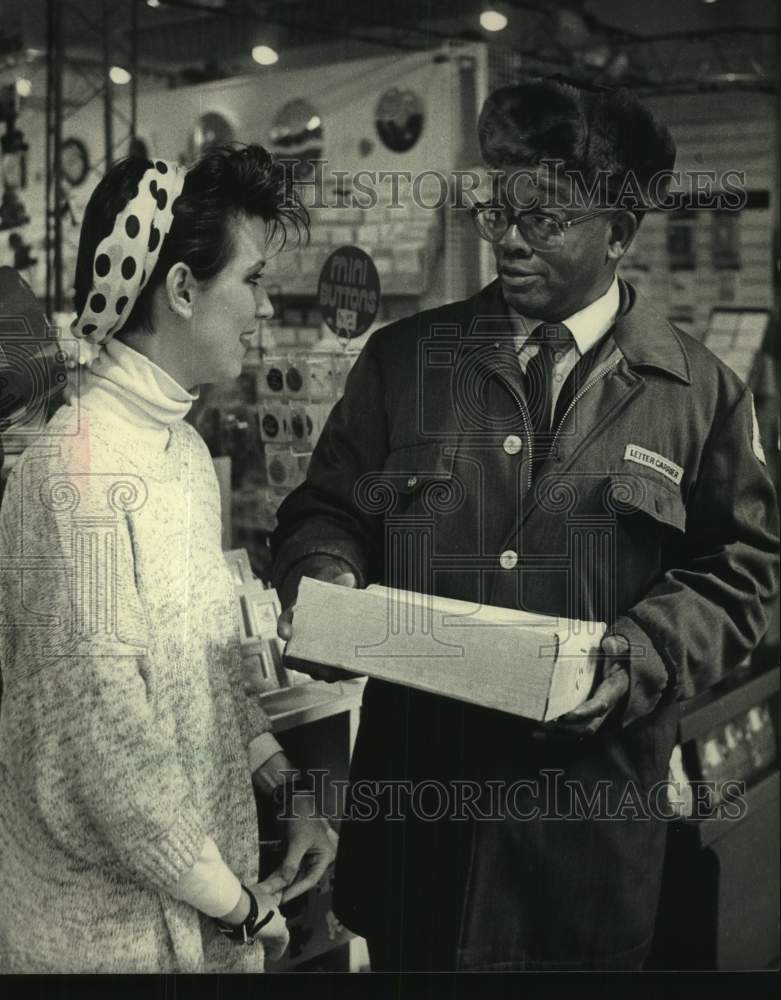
{"x": 143, "y": 393}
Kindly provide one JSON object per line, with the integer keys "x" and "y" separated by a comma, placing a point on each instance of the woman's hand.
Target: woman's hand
{"x": 274, "y": 935}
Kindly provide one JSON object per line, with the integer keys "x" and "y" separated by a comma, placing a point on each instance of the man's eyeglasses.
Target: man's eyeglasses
{"x": 541, "y": 230}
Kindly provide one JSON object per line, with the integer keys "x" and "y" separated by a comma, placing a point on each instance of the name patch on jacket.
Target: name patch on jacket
{"x": 653, "y": 460}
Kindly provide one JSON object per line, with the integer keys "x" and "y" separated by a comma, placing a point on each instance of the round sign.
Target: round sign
{"x": 349, "y": 292}
{"x": 297, "y": 134}
{"x": 399, "y": 119}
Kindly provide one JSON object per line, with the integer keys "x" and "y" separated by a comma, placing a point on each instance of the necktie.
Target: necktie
{"x": 552, "y": 340}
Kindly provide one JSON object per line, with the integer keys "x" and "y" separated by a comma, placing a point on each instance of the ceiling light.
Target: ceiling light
{"x": 119, "y": 75}
{"x": 153, "y": 3}
{"x": 23, "y": 87}
{"x": 264, "y": 55}
{"x": 493, "y": 20}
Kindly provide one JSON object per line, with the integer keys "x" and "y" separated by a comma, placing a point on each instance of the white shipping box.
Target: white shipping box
{"x": 514, "y": 661}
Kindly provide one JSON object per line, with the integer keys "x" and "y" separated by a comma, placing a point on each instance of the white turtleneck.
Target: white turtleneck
{"x": 143, "y": 394}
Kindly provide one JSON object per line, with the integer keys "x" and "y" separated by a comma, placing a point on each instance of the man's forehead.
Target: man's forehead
{"x": 547, "y": 185}
{"x": 498, "y": 180}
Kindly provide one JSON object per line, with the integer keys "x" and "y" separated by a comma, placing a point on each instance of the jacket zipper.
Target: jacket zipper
{"x": 608, "y": 367}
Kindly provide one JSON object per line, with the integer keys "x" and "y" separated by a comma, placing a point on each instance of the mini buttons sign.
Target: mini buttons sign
{"x": 349, "y": 292}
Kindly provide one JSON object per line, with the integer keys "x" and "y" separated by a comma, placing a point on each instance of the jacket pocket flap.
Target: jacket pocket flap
{"x": 628, "y": 493}
{"x": 413, "y": 467}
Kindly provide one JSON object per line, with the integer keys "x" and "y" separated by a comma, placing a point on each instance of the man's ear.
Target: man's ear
{"x": 623, "y": 227}
{"x": 180, "y": 286}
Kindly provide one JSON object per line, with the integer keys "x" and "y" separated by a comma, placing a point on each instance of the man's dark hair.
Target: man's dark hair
{"x": 604, "y": 133}
{"x": 222, "y": 184}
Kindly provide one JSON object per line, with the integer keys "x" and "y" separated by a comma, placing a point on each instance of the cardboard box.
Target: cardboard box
{"x": 526, "y": 664}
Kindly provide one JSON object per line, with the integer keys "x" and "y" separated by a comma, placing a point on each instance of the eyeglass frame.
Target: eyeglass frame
{"x": 563, "y": 226}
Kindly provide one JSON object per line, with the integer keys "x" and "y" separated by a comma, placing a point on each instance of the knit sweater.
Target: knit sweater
{"x": 124, "y": 726}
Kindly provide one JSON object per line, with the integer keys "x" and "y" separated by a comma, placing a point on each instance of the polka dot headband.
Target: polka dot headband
{"x": 126, "y": 258}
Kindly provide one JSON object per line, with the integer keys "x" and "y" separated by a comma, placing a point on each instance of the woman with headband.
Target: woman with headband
{"x": 128, "y": 744}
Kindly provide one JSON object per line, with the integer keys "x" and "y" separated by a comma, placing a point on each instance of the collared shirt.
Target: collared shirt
{"x": 587, "y": 326}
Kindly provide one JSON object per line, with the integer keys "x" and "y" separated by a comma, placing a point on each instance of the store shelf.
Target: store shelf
{"x": 762, "y": 795}
{"x": 707, "y": 711}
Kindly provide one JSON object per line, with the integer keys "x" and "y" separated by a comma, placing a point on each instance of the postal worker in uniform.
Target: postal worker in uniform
{"x": 575, "y": 455}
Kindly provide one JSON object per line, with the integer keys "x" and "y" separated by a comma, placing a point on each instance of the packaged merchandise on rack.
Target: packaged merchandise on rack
{"x": 275, "y": 424}
{"x": 283, "y": 467}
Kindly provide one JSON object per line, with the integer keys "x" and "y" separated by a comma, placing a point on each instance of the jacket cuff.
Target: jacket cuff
{"x": 648, "y": 675}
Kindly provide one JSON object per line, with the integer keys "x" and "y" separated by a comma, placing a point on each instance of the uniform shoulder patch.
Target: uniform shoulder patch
{"x": 653, "y": 460}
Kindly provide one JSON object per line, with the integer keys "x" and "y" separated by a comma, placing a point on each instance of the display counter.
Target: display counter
{"x": 720, "y": 892}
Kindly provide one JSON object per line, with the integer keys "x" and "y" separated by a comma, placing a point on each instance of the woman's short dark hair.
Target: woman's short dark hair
{"x": 222, "y": 184}
{"x": 605, "y": 132}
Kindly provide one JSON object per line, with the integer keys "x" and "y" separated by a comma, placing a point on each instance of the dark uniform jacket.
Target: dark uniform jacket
{"x": 653, "y": 514}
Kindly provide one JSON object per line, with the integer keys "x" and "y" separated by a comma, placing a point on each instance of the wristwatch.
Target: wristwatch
{"x": 245, "y": 932}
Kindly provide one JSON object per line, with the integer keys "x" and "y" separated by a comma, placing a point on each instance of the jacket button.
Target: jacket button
{"x": 412, "y": 481}
{"x": 508, "y": 559}
{"x": 512, "y": 444}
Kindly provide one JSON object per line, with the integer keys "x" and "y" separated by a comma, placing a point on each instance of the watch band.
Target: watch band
{"x": 246, "y": 931}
